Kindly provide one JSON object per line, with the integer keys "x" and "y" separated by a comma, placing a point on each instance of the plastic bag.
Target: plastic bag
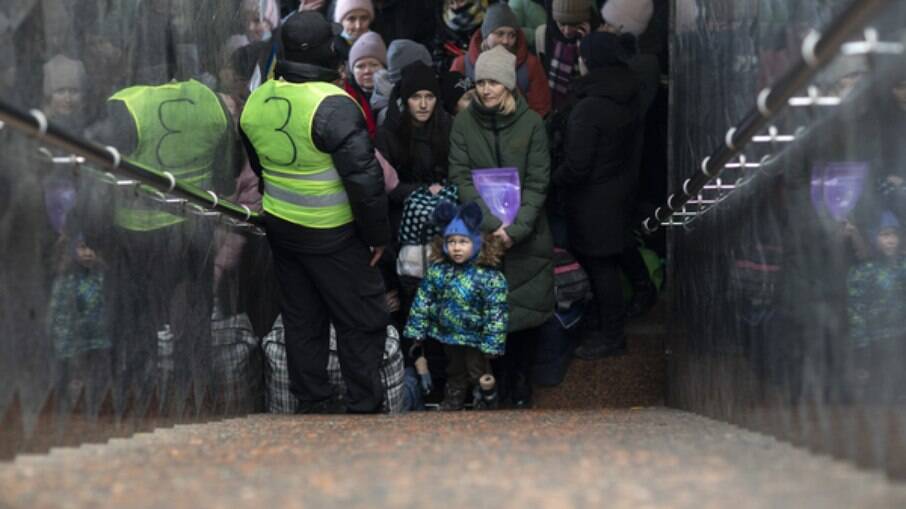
{"x": 499, "y": 188}
{"x": 836, "y": 187}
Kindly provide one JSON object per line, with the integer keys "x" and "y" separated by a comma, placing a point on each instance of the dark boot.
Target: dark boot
{"x": 644, "y": 297}
{"x": 610, "y": 341}
{"x": 485, "y": 394}
{"x": 522, "y": 391}
{"x": 454, "y": 398}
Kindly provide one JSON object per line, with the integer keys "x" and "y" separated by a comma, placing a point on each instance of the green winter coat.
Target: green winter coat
{"x": 520, "y": 141}
{"x": 531, "y": 15}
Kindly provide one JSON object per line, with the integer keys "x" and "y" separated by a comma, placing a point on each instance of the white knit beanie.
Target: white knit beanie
{"x": 631, "y": 16}
{"x": 62, "y": 72}
{"x": 497, "y": 64}
{"x": 344, "y": 7}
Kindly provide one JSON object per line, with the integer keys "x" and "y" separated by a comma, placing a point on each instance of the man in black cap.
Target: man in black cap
{"x": 326, "y": 217}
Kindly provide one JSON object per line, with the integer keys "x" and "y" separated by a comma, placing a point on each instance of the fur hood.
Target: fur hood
{"x": 490, "y": 255}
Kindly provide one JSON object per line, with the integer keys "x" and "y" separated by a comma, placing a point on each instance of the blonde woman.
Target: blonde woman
{"x": 499, "y": 130}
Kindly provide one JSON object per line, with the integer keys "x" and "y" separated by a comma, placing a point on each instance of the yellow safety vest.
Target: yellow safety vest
{"x": 179, "y": 127}
{"x": 301, "y": 184}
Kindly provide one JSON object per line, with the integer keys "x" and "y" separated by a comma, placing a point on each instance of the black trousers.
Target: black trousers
{"x": 339, "y": 288}
{"x": 604, "y": 275}
{"x": 159, "y": 277}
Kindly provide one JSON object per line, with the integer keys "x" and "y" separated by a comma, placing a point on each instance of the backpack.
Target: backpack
{"x": 571, "y": 284}
{"x": 417, "y": 229}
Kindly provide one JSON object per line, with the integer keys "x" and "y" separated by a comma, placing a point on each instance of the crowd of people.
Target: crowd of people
{"x": 487, "y": 290}
{"x": 358, "y": 128}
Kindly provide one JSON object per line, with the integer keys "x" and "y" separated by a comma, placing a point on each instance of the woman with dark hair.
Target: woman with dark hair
{"x": 417, "y": 142}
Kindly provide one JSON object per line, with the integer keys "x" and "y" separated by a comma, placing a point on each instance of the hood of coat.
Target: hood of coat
{"x": 522, "y": 51}
{"x": 491, "y": 118}
{"x": 617, "y": 83}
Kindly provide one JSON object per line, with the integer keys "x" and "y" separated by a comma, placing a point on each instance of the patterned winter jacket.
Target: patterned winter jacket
{"x": 877, "y": 291}
{"x": 461, "y": 305}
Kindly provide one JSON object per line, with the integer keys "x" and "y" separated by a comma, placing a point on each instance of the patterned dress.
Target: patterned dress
{"x": 461, "y": 305}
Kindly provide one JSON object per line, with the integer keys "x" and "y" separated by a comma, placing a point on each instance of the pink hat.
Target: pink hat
{"x": 344, "y": 7}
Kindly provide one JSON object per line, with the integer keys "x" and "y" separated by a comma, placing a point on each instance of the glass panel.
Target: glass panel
{"x": 789, "y": 294}
{"x": 119, "y": 311}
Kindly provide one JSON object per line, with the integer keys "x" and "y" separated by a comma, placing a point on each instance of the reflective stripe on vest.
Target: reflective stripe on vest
{"x": 301, "y": 184}
{"x": 179, "y": 128}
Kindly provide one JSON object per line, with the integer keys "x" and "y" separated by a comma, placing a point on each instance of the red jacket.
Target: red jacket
{"x": 365, "y": 105}
{"x": 538, "y": 92}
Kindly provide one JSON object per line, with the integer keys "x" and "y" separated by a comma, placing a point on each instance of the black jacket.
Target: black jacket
{"x": 417, "y": 163}
{"x": 598, "y": 175}
{"x": 422, "y": 166}
{"x": 339, "y": 129}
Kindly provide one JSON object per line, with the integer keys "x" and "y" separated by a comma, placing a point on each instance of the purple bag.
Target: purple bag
{"x": 836, "y": 187}
{"x": 499, "y": 188}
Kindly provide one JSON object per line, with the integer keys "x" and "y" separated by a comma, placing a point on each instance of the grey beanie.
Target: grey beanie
{"x": 497, "y": 64}
{"x": 499, "y": 15}
{"x": 403, "y": 52}
{"x": 571, "y": 11}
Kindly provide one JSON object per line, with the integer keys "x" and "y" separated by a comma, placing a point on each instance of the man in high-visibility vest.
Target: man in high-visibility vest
{"x": 326, "y": 218}
{"x": 161, "y": 268}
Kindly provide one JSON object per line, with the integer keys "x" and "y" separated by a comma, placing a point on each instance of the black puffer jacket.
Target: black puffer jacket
{"x": 598, "y": 175}
{"x": 339, "y": 129}
{"x": 417, "y": 162}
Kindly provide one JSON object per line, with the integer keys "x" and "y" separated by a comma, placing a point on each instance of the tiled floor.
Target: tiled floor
{"x": 646, "y": 457}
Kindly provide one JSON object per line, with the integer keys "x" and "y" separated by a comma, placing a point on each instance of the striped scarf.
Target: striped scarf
{"x": 564, "y": 66}
{"x": 466, "y": 18}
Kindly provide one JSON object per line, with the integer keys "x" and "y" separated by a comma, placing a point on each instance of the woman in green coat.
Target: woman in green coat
{"x": 499, "y": 130}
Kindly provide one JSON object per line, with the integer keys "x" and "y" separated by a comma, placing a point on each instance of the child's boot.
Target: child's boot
{"x": 454, "y": 398}
{"x": 487, "y": 391}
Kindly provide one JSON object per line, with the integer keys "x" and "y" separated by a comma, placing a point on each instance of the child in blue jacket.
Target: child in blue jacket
{"x": 462, "y": 300}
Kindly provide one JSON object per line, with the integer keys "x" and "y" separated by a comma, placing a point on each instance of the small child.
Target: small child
{"x": 462, "y": 301}
{"x": 877, "y": 294}
{"x": 877, "y": 288}
{"x": 77, "y": 318}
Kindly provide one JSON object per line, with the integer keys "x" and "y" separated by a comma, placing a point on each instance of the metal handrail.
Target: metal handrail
{"x": 34, "y": 123}
{"x": 817, "y": 50}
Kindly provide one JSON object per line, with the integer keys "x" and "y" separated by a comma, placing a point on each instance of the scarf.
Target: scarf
{"x": 564, "y": 66}
{"x": 466, "y": 18}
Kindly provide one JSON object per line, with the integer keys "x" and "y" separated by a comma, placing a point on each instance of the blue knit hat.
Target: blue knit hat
{"x": 887, "y": 221}
{"x": 465, "y": 221}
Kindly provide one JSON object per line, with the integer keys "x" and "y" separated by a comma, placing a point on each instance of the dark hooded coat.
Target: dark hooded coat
{"x": 597, "y": 175}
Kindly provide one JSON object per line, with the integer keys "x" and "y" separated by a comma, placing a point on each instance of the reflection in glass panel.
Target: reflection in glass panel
{"x": 790, "y": 294}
